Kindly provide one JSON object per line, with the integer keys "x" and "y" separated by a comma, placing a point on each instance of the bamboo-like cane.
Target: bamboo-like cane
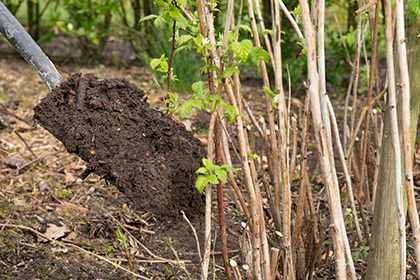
{"x": 356, "y": 77}
{"x": 346, "y": 172}
{"x": 256, "y": 240}
{"x": 288, "y": 268}
{"x": 270, "y": 113}
{"x": 210, "y": 148}
{"x": 363, "y": 161}
{"x": 327, "y": 124}
{"x": 313, "y": 90}
{"x": 394, "y": 135}
{"x": 406, "y": 128}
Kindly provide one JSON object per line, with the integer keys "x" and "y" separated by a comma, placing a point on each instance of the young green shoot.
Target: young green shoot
{"x": 124, "y": 243}
{"x": 211, "y": 173}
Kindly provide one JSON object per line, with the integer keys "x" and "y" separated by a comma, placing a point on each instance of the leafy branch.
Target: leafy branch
{"x": 211, "y": 174}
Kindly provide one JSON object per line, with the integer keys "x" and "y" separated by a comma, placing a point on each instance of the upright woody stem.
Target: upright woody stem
{"x": 313, "y": 91}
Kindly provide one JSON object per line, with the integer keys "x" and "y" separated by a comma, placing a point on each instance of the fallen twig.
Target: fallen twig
{"x": 195, "y": 233}
{"x": 24, "y": 142}
{"x": 228, "y": 229}
{"x": 29, "y": 163}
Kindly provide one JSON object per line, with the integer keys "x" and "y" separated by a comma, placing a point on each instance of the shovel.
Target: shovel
{"x": 14, "y": 32}
{"x": 146, "y": 154}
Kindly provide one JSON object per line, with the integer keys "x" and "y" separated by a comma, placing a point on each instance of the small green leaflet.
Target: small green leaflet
{"x": 212, "y": 179}
{"x": 209, "y": 165}
{"x": 161, "y": 3}
{"x": 221, "y": 174}
{"x": 258, "y": 54}
{"x": 158, "y": 21}
{"x": 201, "y": 170}
{"x": 155, "y": 62}
{"x": 197, "y": 87}
{"x": 246, "y": 28}
{"x": 225, "y": 166}
{"x": 185, "y": 109}
{"x": 174, "y": 13}
{"x": 201, "y": 183}
{"x": 183, "y": 3}
{"x": 242, "y": 49}
{"x": 183, "y": 39}
{"x": 148, "y": 18}
{"x": 268, "y": 32}
{"x": 229, "y": 71}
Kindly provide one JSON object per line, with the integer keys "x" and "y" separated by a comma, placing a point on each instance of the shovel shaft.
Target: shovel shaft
{"x": 14, "y": 32}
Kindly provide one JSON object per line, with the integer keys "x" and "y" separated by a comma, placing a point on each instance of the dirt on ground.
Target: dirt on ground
{"x": 144, "y": 152}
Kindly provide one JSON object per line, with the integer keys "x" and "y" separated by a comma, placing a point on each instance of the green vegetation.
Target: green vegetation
{"x": 211, "y": 174}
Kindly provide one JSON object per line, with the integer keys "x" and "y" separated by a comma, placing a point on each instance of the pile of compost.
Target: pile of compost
{"x": 146, "y": 154}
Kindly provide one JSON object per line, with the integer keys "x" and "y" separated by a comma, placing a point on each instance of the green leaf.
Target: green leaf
{"x": 201, "y": 183}
{"x": 221, "y": 174}
{"x": 214, "y": 97}
{"x": 158, "y": 21}
{"x": 197, "y": 86}
{"x": 212, "y": 179}
{"x": 148, "y": 18}
{"x": 303, "y": 45}
{"x": 240, "y": 115}
{"x": 180, "y": 49}
{"x": 174, "y": 13}
{"x": 223, "y": 104}
{"x": 164, "y": 66}
{"x": 161, "y": 3}
{"x": 350, "y": 40}
{"x": 154, "y": 62}
{"x": 225, "y": 166}
{"x": 121, "y": 237}
{"x": 184, "y": 38}
{"x": 242, "y": 49}
{"x": 258, "y": 54}
{"x": 182, "y": 23}
{"x": 209, "y": 165}
{"x": 268, "y": 32}
{"x": 246, "y": 28}
{"x": 198, "y": 104}
{"x": 231, "y": 110}
{"x": 201, "y": 170}
{"x": 185, "y": 109}
{"x": 228, "y": 72}
{"x": 198, "y": 39}
{"x": 172, "y": 96}
{"x": 183, "y": 3}
{"x": 275, "y": 100}
{"x": 268, "y": 90}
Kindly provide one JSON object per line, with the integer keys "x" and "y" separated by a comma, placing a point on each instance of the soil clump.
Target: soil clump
{"x": 146, "y": 154}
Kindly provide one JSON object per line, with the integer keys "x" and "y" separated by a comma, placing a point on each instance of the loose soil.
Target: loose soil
{"x": 144, "y": 152}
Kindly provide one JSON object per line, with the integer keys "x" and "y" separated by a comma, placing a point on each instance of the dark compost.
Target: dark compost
{"x": 146, "y": 154}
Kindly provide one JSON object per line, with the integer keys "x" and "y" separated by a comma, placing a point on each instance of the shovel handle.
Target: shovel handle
{"x": 17, "y": 36}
